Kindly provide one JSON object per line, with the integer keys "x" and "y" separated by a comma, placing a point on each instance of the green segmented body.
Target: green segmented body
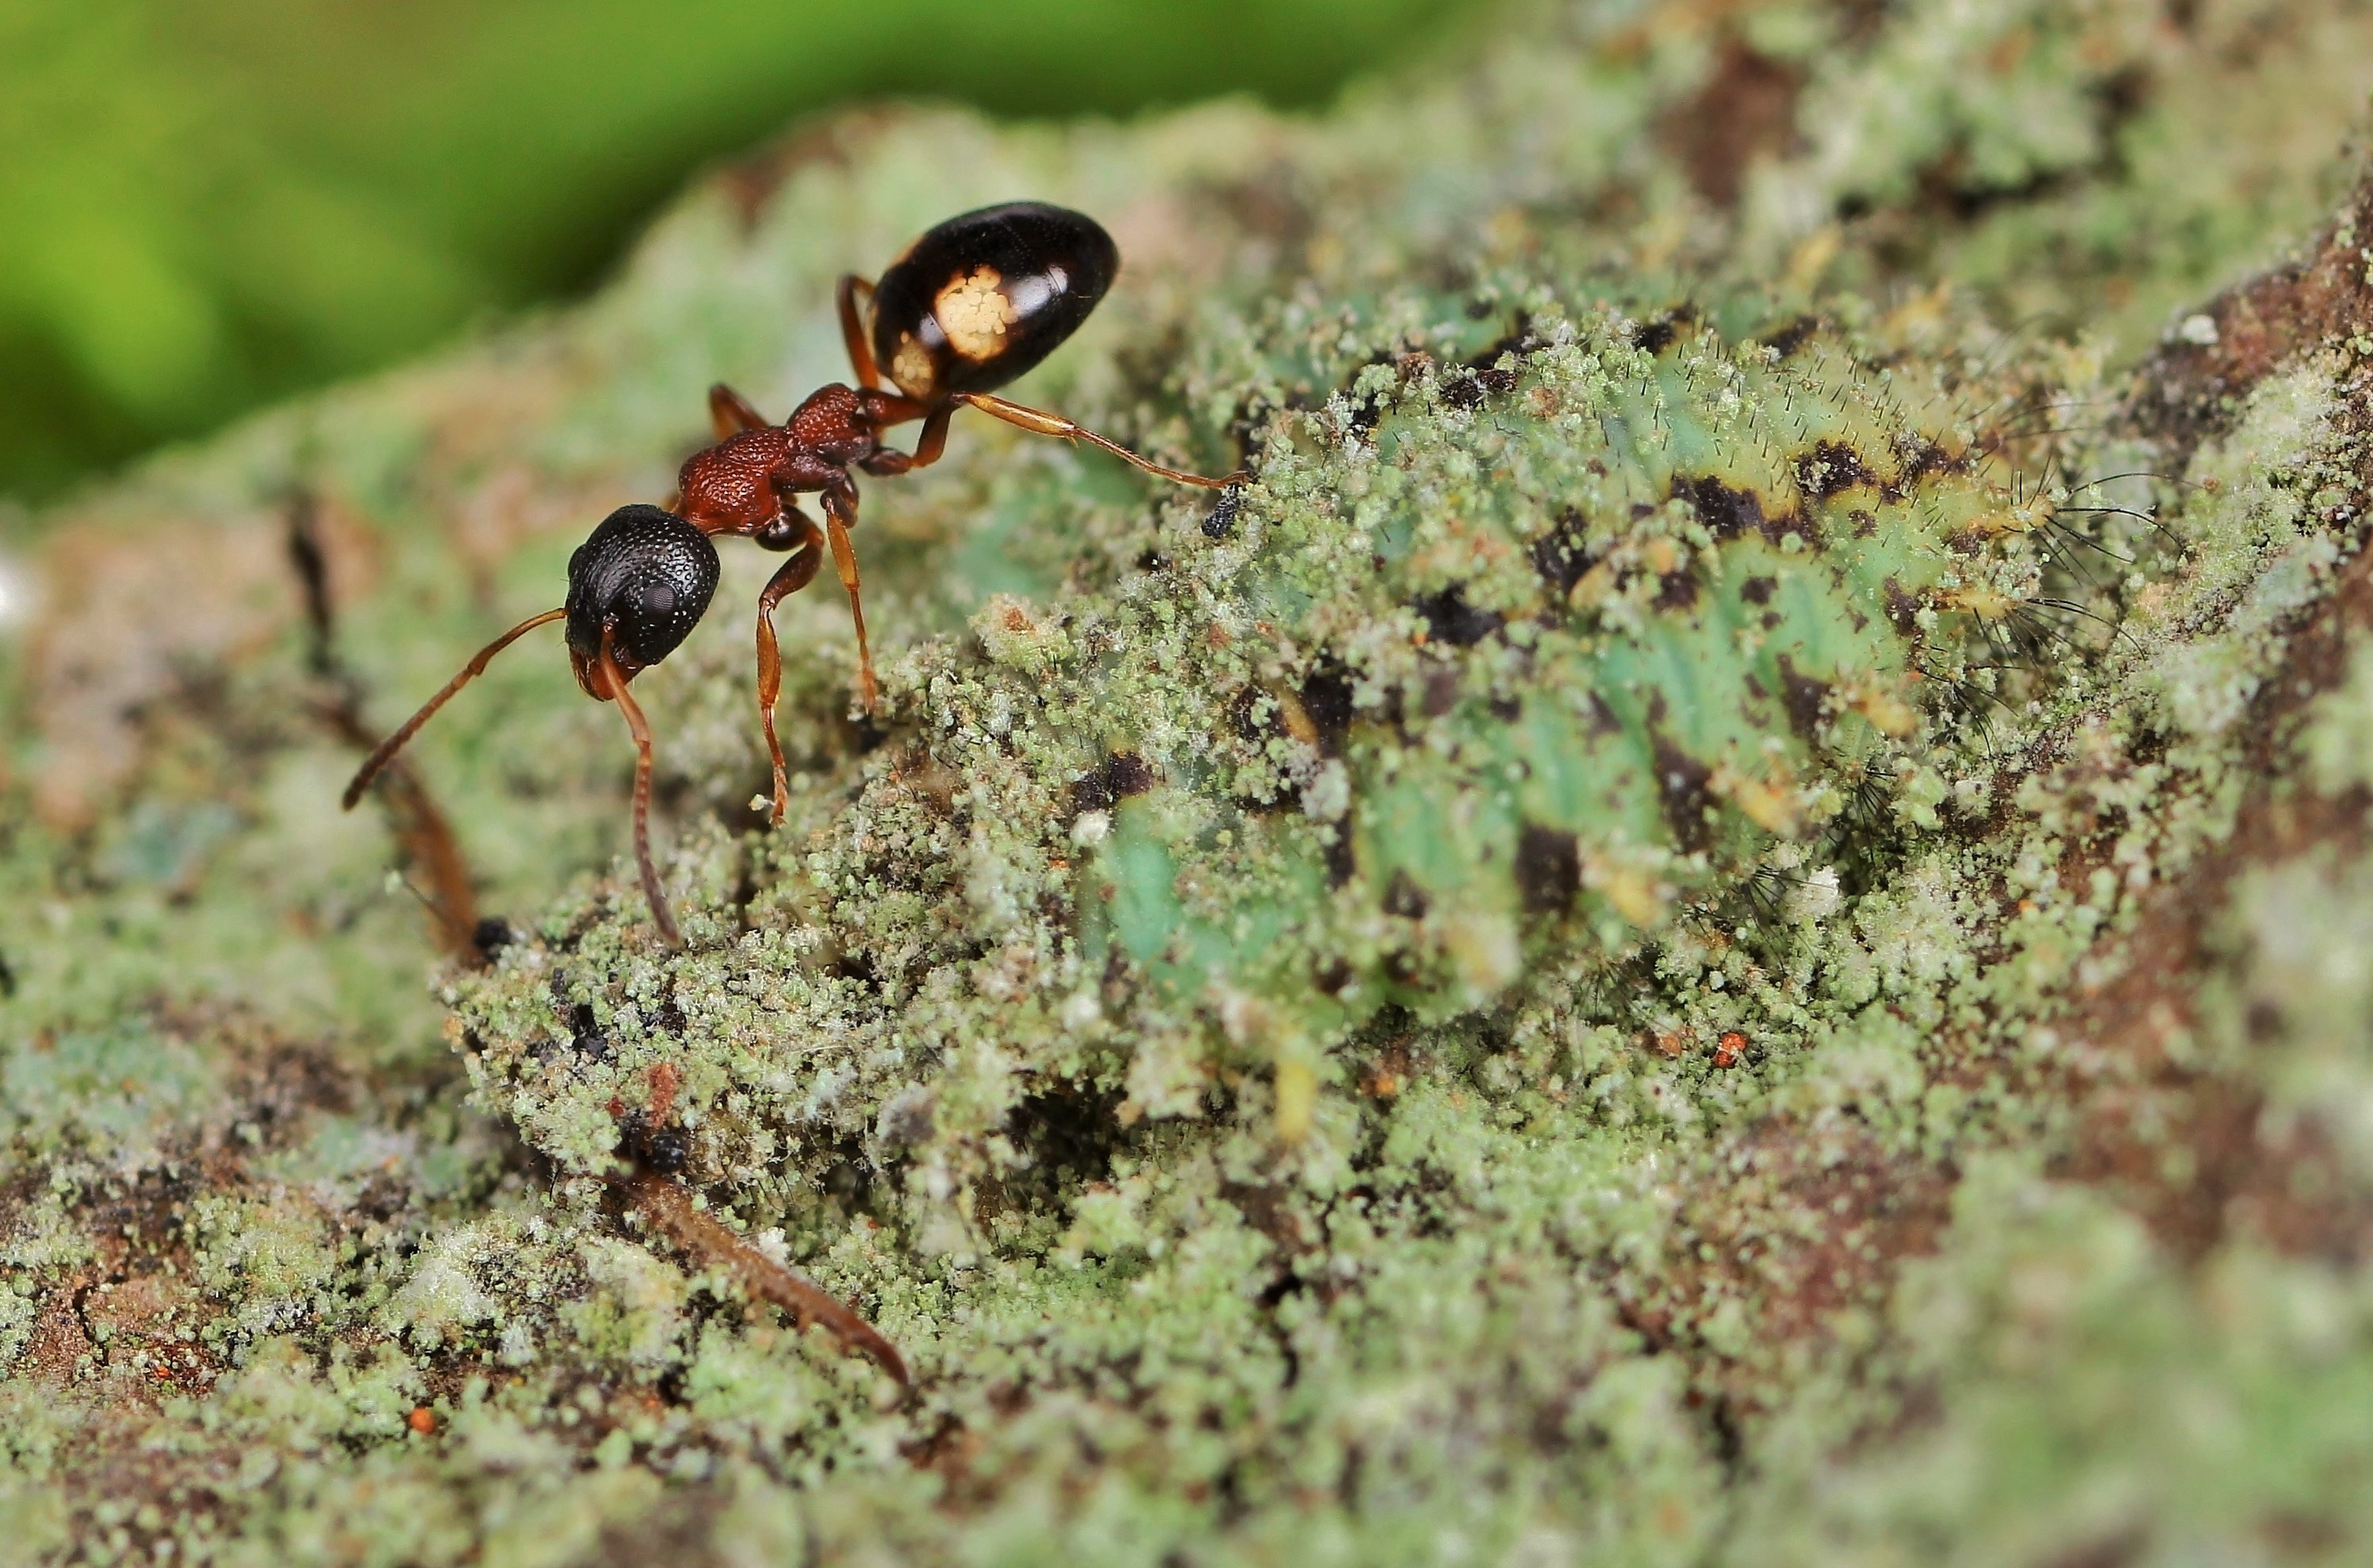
{"x": 1490, "y": 666}
{"x": 1695, "y": 586}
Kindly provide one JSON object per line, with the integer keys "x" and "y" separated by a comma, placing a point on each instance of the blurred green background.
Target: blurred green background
{"x": 207, "y": 203}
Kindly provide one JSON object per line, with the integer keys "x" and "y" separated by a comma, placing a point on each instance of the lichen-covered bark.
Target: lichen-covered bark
{"x": 1717, "y": 920}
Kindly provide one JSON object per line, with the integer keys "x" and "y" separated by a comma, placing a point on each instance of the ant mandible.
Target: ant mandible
{"x": 972, "y": 305}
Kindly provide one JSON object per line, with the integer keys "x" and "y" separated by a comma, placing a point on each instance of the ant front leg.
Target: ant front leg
{"x": 729, "y": 413}
{"x": 839, "y": 515}
{"x": 614, "y": 684}
{"x": 1046, "y": 424}
{"x": 793, "y": 575}
{"x": 852, "y": 329}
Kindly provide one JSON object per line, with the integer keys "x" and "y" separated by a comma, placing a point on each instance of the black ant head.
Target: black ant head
{"x": 645, "y": 577}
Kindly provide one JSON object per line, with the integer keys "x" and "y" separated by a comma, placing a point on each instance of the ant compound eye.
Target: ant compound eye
{"x": 647, "y": 575}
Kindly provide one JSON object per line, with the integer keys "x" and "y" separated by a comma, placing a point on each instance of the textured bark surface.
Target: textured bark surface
{"x": 1910, "y": 1102}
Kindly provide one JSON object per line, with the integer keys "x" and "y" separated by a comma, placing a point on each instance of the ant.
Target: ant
{"x": 970, "y": 306}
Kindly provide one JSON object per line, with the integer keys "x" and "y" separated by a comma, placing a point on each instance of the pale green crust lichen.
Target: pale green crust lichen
{"x": 1276, "y": 1112}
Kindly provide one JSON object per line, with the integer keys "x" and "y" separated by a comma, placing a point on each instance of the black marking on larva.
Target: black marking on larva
{"x": 1793, "y": 336}
{"x": 1548, "y": 869}
{"x": 1865, "y": 523}
{"x": 1469, "y": 390}
{"x": 1681, "y": 780}
{"x": 1255, "y": 715}
{"x": 1921, "y": 458}
{"x": 1602, "y": 717}
{"x": 1562, "y": 555}
{"x": 1656, "y": 336}
{"x": 1327, "y": 698}
{"x": 1332, "y": 975}
{"x": 1758, "y": 590}
{"x": 1806, "y": 699}
{"x": 1506, "y": 710}
{"x": 1405, "y": 898}
{"x": 1727, "y": 514}
{"x": 1449, "y": 618}
{"x": 1676, "y": 590}
{"x": 1123, "y": 774}
{"x": 1829, "y": 467}
{"x": 1341, "y": 861}
{"x": 1903, "y": 608}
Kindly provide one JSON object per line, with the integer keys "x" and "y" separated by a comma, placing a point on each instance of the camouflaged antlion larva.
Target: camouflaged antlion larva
{"x": 1493, "y": 661}
{"x": 1656, "y": 606}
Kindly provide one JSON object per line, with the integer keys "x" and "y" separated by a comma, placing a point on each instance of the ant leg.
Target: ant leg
{"x": 928, "y": 447}
{"x": 664, "y": 1202}
{"x": 1047, "y": 424}
{"x": 839, "y": 511}
{"x": 729, "y": 413}
{"x": 388, "y": 748}
{"x": 615, "y": 680}
{"x": 793, "y": 576}
{"x": 852, "y": 329}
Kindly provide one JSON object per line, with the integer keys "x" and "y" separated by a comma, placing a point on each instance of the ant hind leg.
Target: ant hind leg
{"x": 839, "y": 513}
{"x": 1042, "y": 423}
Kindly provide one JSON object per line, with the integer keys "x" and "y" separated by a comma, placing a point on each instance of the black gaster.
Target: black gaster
{"x": 645, "y": 573}
{"x": 983, "y": 297}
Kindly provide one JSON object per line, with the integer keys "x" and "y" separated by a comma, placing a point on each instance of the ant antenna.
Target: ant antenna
{"x": 378, "y": 760}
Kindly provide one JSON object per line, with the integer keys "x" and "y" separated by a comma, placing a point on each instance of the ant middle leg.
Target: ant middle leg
{"x": 1045, "y": 424}
{"x": 852, "y": 329}
{"x": 729, "y": 413}
{"x": 793, "y": 576}
{"x": 889, "y": 462}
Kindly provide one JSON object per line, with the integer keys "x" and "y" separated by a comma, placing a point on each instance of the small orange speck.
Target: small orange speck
{"x": 1729, "y": 1048}
{"x": 663, "y": 1078}
{"x": 422, "y": 1420}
